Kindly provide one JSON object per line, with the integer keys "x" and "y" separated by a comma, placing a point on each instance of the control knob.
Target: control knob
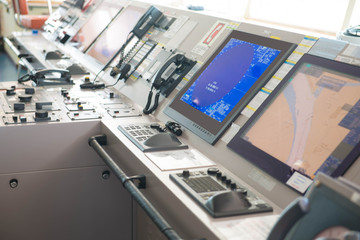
{"x": 228, "y": 182}
{"x": 212, "y": 171}
{"x": 41, "y": 114}
{"x": 10, "y": 92}
{"x": 186, "y": 173}
{"x": 25, "y": 98}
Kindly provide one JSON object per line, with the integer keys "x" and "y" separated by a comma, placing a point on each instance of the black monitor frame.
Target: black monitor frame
{"x": 206, "y": 127}
{"x": 271, "y": 164}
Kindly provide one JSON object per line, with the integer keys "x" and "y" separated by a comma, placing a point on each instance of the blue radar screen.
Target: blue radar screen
{"x": 228, "y": 77}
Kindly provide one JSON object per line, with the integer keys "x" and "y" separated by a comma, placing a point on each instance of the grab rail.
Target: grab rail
{"x": 96, "y": 143}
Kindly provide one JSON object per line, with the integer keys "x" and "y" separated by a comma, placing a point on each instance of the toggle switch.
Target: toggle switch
{"x": 23, "y": 119}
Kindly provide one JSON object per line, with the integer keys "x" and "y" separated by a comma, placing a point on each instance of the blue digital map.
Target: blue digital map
{"x": 228, "y": 77}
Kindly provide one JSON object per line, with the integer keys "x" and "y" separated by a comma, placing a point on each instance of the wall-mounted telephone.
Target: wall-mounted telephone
{"x": 48, "y": 77}
{"x": 149, "y": 18}
{"x": 167, "y": 78}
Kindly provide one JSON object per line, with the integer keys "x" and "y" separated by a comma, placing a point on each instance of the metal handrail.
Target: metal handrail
{"x": 17, "y": 14}
{"x": 96, "y": 143}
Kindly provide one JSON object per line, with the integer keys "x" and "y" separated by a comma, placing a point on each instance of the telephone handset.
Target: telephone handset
{"x": 147, "y": 21}
{"x": 48, "y": 77}
{"x": 149, "y": 18}
{"x": 160, "y": 78}
{"x": 64, "y": 74}
{"x": 167, "y": 78}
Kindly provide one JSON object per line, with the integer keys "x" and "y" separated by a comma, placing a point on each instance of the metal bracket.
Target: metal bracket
{"x": 141, "y": 178}
{"x": 101, "y": 139}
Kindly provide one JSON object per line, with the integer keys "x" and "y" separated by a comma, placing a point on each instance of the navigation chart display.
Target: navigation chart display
{"x": 226, "y": 82}
{"x": 311, "y": 125}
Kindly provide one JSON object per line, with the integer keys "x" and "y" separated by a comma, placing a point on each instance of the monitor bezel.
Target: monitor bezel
{"x": 267, "y": 162}
{"x": 206, "y": 127}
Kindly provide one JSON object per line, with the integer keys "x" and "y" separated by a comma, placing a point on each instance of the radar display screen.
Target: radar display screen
{"x": 309, "y": 124}
{"x": 228, "y": 78}
{"x": 226, "y": 82}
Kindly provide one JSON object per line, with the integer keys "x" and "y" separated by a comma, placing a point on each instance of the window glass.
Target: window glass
{"x": 324, "y": 15}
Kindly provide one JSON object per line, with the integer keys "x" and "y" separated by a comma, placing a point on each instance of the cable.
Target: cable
{"x": 147, "y": 110}
{"x": 102, "y": 70}
{"x": 116, "y": 69}
{"x": 26, "y": 77}
{"x": 92, "y": 85}
{"x": 123, "y": 74}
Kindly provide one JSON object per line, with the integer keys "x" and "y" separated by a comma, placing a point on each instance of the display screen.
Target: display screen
{"x": 310, "y": 124}
{"x": 228, "y": 78}
{"x": 111, "y": 40}
{"x": 227, "y": 81}
{"x": 96, "y": 23}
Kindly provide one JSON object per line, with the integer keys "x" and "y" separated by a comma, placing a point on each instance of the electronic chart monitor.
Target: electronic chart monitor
{"x": 111, "y": 40}
{"x": 96, "y": 24}
{"x": 223, "y": 86}
{"x": 309, "y": 124}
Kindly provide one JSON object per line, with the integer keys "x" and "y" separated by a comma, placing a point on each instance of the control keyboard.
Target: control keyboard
{"x": 219, "y": 195}
{"x": 150, "y": 137}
